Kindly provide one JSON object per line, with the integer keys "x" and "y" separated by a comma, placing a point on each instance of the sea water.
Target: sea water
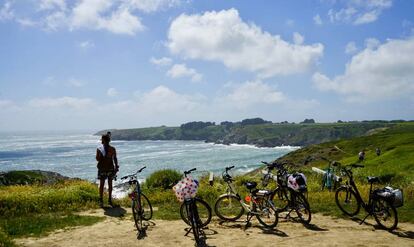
{"x": 72, "y": 154}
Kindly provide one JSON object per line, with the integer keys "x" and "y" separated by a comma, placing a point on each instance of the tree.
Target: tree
{"x": 308, "y": 121}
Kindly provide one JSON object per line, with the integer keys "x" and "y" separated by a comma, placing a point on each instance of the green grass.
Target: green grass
{"x": 5, "y": 240}
{"x": 42, "y": 224}
{"x": 28, "y": 199}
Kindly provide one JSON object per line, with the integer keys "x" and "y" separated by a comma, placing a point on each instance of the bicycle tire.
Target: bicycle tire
{"x": 347, "y": 201}
{"x": 204, "y": 212}
{"x": 280, "y": 199}
{"x": 137, "y": 215}
{"x": 268, "y": 215}
{"x": 302, "y": 208}
{"x": 228, "y": 207}
{"x": 146, "y": 207}
{"x": 192, "y": 218}
{"x": 385, "y": 214}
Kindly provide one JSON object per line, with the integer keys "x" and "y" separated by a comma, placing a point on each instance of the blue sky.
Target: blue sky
{"x": 94, "y": 64}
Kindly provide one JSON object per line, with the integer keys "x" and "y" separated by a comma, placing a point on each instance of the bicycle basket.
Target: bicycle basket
{"x": 186, "y": 188}
{"x": 395, "y": 196}
{"x": 297, "y": 182}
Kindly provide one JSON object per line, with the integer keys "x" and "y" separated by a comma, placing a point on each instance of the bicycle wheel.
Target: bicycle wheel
{"x": 385, "y": 214}
{"x": 204, "y": 212}
{"x": 136, "y": 212}
{"x": 228, "y": 207}
{"x": 280, "y": 199}
{"x": 146, "y": 207}
{"x": 347, "y": 201}
{"x": 302, "y": 208}
{"x": 268, "y": 215}
{"x": 193, "y": 219}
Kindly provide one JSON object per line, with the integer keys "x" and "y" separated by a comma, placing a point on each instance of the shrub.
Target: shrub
{"x": 164, "y": 179}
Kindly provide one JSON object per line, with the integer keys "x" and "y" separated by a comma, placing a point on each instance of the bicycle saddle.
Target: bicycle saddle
{"x": 373, "y": 179}
{"x": 250, "y": 185}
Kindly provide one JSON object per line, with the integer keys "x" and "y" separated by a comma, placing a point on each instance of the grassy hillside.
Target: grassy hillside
{"x": 395, "y": 166}
{"x": 263, "y": 135}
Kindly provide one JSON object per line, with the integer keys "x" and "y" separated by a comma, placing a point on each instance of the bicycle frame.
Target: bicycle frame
{"x": 351, "y": 184}
{"x": 231, "y": 190}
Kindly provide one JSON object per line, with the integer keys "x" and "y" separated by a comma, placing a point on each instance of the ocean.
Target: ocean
{"x": 73, "y": 154}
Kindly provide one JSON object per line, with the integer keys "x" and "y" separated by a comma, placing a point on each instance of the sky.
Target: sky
{"x": 98, "y": 64}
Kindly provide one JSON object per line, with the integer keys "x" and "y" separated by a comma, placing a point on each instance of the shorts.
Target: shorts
{"x": 106, "y": 174}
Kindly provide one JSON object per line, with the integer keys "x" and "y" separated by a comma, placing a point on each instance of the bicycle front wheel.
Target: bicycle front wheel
{"x": 347, "y": 201}
{"x": 204, "y": 212}
{"x": 146, "y": 207}
{"x": 302, "y": 208}
{"x": 268, "y": 215}
{"x": 228, "y": 207}
{"x": 137, "y": 213}
{"x": 385, "y": 214}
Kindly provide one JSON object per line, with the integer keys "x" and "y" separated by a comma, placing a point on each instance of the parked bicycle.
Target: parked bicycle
{"x": 186, "y": 191}
{"x": 289, "y": 193}
{"x": 141, "y": 206}
{"x": 382, "y": 203}
{"x": 230, "y": 206}
{"x": 330, "y": 180}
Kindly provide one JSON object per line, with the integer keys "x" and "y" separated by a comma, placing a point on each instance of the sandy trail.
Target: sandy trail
{"x": 324, "y": 231}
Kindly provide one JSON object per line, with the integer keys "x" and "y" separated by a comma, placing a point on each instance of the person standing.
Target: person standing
{"x": 361, "y": 155}
{"x": 378, "y": 151}
{"x": 107, "y": 167}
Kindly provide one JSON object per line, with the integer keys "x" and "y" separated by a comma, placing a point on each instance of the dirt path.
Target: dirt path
{"x": 324, "y": 231}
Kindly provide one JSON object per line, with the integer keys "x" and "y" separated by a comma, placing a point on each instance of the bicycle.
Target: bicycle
{"x": 230, "y": 206}
{"x": 186, "y": 191}
{"x": 330, "y": 180}
{"x": 203, "y": 208}
{"x": 381, "y": 204}
{"x": 141, "y": 206}
{"x": 284, "y": 197}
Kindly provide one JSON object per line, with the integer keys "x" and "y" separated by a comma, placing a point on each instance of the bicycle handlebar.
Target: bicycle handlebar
{"x": 229, "y": 168}
{"x": 131, "y": 175}
{"x": 189, "y": 171}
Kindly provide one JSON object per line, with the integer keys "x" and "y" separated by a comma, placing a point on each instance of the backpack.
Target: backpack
{"x": 297, "y": 182}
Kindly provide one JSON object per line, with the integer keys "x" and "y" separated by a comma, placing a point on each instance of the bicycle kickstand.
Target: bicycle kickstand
{"x": 288, "y": 214}
{"x": 363, "y": 220}
{"x": 249, "y": 217}
{"x": 188, "y": 231}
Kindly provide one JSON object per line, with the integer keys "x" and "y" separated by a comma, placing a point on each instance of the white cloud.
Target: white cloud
{"x": 52, "y": 4}
{"x": 6, "y": 12}
{"x": 317, "y": 20}
{"x": 164, "y": 61}
{"x": 151, "y": 5}
{"x": 163, "y": 99}
{"x": 385, "y": 71}
{"x": 359, "y": 12}
{"x": 181, "y": 70}
{"x": 76, "y": 83}
{"x": 372, "y": 43}
{"x": 71, "y": 102}
{"x": 298, "y": 39}
{"x": 112, "y": 92}
{"x": 90, "y": 14}
{"x": 119, "y": 16}
{"x": 351, "y": 48}
{"x": 86, "y": 44}
{"x": 222, "y": 36}
{"x": 55, "y": 20}
{"x": 26, "y": 22}
{"x": 253, "y": 93}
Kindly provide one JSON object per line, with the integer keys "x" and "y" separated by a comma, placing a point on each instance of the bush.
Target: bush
{"x": 164, "y": 179}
